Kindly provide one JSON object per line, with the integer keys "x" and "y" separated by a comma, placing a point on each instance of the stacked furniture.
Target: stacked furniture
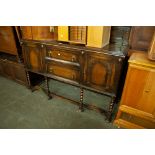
{"x": 96, "y": 67}
{"x": 92, "y": 58}
{"x": 137, "y": 106}
{"x": 11, "y": 58}
{"x": 11, "y": 65}
{"x": 140, "y": 38}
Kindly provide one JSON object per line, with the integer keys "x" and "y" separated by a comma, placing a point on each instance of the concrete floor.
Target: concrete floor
{"x": 22, "y": 109}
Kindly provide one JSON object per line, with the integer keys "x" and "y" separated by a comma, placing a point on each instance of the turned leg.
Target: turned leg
{"x": 28, "y": 80}
{"x": 33, "y": 88}
{"x": 47, "y": 88}
{"x": 81, "y": 100}
{"x": 111, "y": 108}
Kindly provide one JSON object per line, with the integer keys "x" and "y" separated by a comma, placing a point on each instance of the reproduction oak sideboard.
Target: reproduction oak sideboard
{"x": 95, "y": 69}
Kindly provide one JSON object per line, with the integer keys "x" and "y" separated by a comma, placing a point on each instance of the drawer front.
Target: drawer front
{"x": 67, "y": 55}
{"x": 64, "y": 72}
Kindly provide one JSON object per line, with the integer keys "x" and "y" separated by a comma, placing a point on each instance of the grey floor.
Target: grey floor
{"x": 22, "y": 109}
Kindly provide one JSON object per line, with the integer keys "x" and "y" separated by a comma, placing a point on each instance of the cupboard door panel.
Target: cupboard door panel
{"x": 33, "y": 57}
{"x": 101, "y": 72}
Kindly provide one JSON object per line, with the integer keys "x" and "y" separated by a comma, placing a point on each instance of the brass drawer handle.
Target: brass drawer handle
{"x": 119, "y": 59}
{"x": 59, "y": 54}
{"x": 50, "y": 52}
{"x": 82, "y": 52}
{"x": 51, "y": 70}
{"x": 73, "y": 58}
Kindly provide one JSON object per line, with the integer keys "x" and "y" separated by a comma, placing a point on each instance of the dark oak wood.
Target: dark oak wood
{"x": 26, "y": 32}
{"x": 95, "y": 69}
{"x": 13, "y": 70}
{"x": 10, "y": 55}
{"x": 90, "y": 68}
{"x": 39, "y": 32}
{"x": 103, "y": 72}
{"x": 44, "y": 32}
{"x": 140, "y": 37}
{"x": 33, "y": 56}
{"x": 65, "y": 71}
{"x": 7, "y": 40}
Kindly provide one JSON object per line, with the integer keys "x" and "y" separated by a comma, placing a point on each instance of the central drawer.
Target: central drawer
{"x": 64, "y": 54}
{"x": 61, "y": 70}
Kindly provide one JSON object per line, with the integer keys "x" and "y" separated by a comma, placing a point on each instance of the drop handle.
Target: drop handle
{"x": 51, "y": 70}
{"x": 73, "y": 58}
{"x": 50, "y": 52}
{"x": 59, "y": 54}
{"x": 119, "y": 59}
{"x": 82, "y": 52}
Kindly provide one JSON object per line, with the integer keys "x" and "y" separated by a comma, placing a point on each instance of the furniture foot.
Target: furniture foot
{"x": 109, "y": 116}
{"x": 81, "y": 100}
{"x": 47, "y": 88}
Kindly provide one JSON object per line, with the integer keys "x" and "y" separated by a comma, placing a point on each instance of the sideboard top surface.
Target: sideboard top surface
{"x": 110, "y": 49}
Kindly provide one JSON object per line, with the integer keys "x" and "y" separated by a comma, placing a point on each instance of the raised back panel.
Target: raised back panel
{"x": 26, "y": 32}
{"x": 141, "y": 37}
{"x": 120, "y": 35}
{"x": 7, "y": 40}
{"x": 44, "y": 32}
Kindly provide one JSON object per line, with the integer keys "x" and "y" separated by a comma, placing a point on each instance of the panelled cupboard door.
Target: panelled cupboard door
{"x": 7, "y": 40}
{"x": 140, "y": 37}
{"x": 33, "y": 57}
{"x": 139, "y": 91}
{"x": 102, "y": 72}
{"x": 26, "y": 32}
